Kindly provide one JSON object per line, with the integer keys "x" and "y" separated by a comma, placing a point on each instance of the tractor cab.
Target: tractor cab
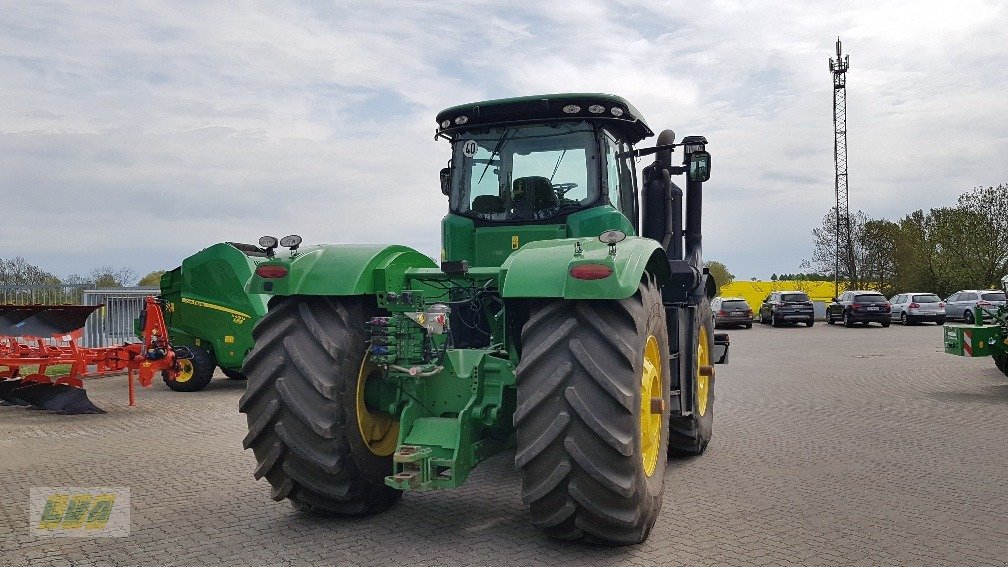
{"x": 536, "y": 168}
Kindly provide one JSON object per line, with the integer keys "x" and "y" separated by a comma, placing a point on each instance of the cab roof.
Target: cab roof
{"x": 612, "y": 111}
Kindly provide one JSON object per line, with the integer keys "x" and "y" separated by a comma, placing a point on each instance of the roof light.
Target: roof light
{"x": 572, "y": 109}
{"x": 268, "y": 242}
{"x": 461, "y": 120}
{"x": 590, "y": 272}
{"x": 596, "y": 109}
{"x": 292, "y": 241}
{"x": 616, "y": 111}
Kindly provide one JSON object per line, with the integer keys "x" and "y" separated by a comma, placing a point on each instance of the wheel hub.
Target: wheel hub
{"x": 379, "y": 431}
{"x": 652, "y": 404}
{"x": 703, "y": 378}
{"x": 185, "y": 370}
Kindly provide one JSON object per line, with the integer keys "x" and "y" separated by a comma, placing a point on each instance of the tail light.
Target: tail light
{"x": 720, "y": 313}
{"x": 983, "y": 303}
{"x": 271, "y": 271}
{"x": 590, "y": 272}
{"x": 855, "y": 306}
{"x": 779, "y": 303}
{"x": 914, "y": 306}
{"x": 941, "y": 304}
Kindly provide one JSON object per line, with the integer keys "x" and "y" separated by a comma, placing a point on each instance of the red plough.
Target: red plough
{"x": 47, "y": 335}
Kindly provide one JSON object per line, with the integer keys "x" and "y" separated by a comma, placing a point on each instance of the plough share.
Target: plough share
{"x": 48, "y": 335}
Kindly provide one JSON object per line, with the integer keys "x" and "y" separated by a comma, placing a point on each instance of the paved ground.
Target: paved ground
{"x": 832, "y": 446}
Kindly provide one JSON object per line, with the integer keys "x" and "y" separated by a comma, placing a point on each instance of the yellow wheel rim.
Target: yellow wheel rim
{"x": 651, "y": 410}
{"x": 378, "y": 430}
{"x": 185, "y": 370}
{"x": 703, "y": 381}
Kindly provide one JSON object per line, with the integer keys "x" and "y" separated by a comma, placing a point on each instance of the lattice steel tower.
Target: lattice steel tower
{"x": 844, "y": 245}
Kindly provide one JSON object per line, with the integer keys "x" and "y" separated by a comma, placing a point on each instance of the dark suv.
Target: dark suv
{"x": 782, "y": 307}
{"x": 859, "y": 306}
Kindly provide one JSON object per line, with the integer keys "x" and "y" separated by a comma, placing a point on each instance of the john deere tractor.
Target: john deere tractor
{"x": 569, "y": 321}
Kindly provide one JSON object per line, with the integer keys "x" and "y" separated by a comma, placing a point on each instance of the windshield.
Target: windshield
{"x": 995, "y": 296}
{"x": 794, "y": 297}
{"x": 870, "y": 298}
{"x": 929, "y": 298}
{"x": 525, "y": 173}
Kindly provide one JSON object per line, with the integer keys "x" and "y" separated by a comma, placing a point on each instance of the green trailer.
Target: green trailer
{"x": 208, "y": 313}
{"x": 982, "y": 339}
{"x": 568, "y": 321}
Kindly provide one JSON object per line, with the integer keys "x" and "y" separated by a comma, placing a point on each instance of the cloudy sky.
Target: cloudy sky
{"x": 137, "y": 135}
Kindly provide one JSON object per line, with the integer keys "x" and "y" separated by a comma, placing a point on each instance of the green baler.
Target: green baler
{"x": 569, "y": 320}
{"x": 209, "y": 314}
{"x": 980, "y": 339}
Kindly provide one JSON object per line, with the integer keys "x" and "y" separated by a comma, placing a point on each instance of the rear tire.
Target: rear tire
{"x": 884, "y": 324}
{"x": 301, "y": 405}
{"x": 196, "y": 370}
{"x": 1001, "y": 361}
{"x": 748, "y": 326}
{"x": 847, "y": 321}
{"x": 810, "y": 322}
{"x": 968, "y": 318}
{"x": 581, "y": 399}
{"x": 904, "y": 320}
{"x": 829, "y": 319}
{"x": 940, "y": 321}
{"x": 690, "y": 434}
{"x": 774, "y": 321}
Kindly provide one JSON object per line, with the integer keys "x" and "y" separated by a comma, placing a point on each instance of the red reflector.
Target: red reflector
{"x": 271, "y": 271}
{"x": 590, "y": 272}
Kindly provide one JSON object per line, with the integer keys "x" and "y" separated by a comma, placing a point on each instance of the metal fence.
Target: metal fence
{"x": 110, "y": 325}
{"x": 113, "y": 323}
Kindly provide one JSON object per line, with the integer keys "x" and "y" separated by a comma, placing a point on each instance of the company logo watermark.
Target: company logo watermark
{"x": 73, "y": 511}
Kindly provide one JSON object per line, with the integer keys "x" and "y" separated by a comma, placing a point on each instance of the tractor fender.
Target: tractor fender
{"x": 341, "y": 269}
{"x": 543, "y": 268}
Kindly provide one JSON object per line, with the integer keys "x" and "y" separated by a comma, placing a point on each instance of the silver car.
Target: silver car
{"x": 916, "y": 307}
{"x": 961, "y": 305}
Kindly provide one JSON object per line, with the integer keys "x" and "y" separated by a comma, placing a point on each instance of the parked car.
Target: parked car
{"x": 961, "y": 305}
{"x": 915, "y": 307}
{"x": 782, "y": 307}
{"x": 859, "y": 306}
{"x": 731, "y": 311}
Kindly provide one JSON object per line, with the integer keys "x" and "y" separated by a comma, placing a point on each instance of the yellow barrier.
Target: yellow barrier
{"x": 755, "y": 292}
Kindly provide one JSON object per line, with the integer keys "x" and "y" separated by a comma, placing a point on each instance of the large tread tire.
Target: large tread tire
{"x": 578, "y": 419}
{"x": 690, "y": 434}
{"x": 300, "y": 402}
{"x": 198, "y": 368}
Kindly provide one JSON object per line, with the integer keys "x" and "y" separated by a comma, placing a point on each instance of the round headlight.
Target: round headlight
{"x": 572, "y": 109}
{"x": 616, "y": 111}
{"x": 291, "y": 241}
{"x": 446, "y": 124}
{"x": 461, "y": 120}
{"x": 596, "y": 109}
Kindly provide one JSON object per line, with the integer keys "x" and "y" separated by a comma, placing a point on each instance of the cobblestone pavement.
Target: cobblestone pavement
{"x": 832, "y": 446}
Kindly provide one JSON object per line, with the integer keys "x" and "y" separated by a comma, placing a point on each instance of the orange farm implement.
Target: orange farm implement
{"x": 47, "y": 336}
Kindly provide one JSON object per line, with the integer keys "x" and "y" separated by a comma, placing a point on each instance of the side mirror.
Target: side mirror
{"x": 834, "y": 300}
{"x": 699, "y": 166}
{"x": 446, "y": 181}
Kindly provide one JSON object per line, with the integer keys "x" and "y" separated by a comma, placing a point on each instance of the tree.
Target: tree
{"x": 104, "y": 277}
{"x": 720, "y": 272}
{"x": 152, "y": 279}
{"x": 17, "y": 271}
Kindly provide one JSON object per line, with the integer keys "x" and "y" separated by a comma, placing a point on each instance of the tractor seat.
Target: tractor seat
{"x": 487, "y": 204}
{"x": 534, "y": 193}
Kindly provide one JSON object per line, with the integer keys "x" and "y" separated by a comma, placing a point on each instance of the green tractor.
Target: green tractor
{"x": 569, "y": 321}
{"x": 208, "y": 314}
{"x": 982, "y": 339}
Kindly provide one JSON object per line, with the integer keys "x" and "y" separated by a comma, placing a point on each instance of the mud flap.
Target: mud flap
{"x": 58, "y": 398}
